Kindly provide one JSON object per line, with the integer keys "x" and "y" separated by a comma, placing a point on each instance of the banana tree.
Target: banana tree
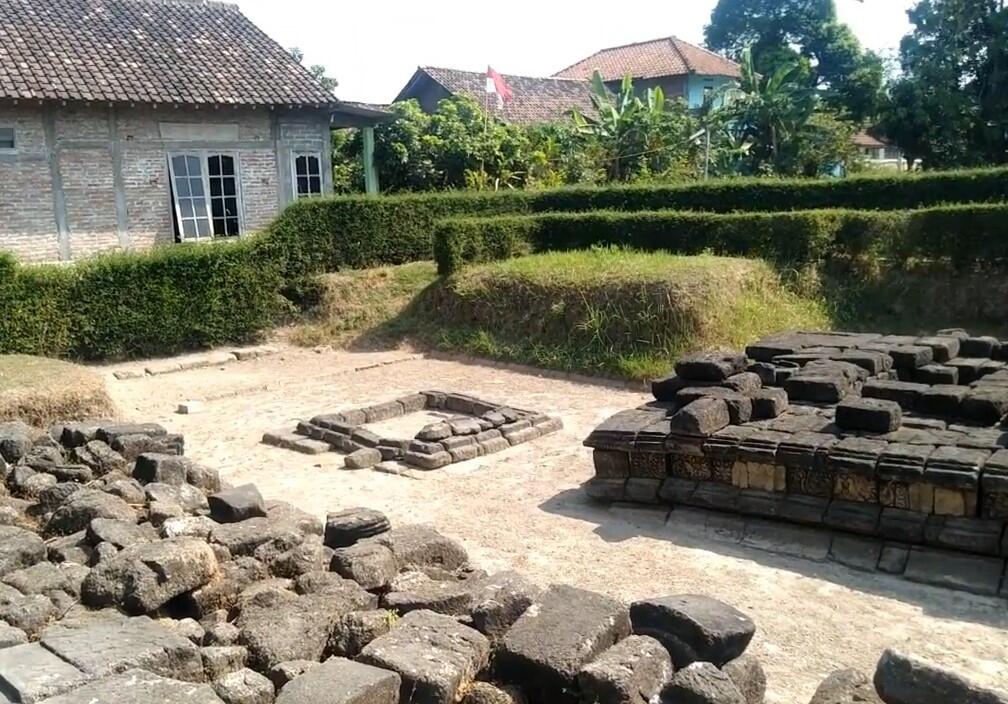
{"x": 627, "y": 127}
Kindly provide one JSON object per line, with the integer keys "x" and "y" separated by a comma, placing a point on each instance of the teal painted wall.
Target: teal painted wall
{"x": 697, "y": 84}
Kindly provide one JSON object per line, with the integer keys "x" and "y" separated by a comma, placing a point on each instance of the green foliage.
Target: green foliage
{"x": 328, "y": 234}
{"x": 777, "y": 124}
{"x": 781, "y": 32}
{"x": 950, "y": 106}
{"x": 139, "y": 304}
{"x": 793, "y": 239}
{"x": 636, "y": 137}
{"x": 456, "y": 147}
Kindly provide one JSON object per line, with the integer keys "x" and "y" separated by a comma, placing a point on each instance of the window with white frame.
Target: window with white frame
{"x": 307, "y": 167}
{"x": 205, "y": 195}
{"x": 6, "y": 139}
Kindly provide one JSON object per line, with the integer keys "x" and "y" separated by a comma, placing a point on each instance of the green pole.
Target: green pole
{"x": 370, "y": 173}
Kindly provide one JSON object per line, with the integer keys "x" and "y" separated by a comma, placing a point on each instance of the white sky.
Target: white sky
{"x": 372, "y": 48}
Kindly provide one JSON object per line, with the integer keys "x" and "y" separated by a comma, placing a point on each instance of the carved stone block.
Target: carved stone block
{"x": 611, "y": 464}
{"x": 648, "y": 465}
{"x": 810, "y": 481}
{"x": 894, "y": 494}
{"x": 853, "y": 487}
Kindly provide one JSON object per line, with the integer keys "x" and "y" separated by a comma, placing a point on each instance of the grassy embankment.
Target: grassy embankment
{"x": 40, "y": 391}
{"x": 606, "y": 311}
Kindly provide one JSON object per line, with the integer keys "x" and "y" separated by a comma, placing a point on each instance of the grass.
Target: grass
{"x": 40, "y": 391}
{"x": 359, "y": 308}
{"x": 600, "y": 311}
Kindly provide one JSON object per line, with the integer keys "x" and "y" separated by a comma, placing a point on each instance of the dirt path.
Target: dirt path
{"x": 522, "y": 509}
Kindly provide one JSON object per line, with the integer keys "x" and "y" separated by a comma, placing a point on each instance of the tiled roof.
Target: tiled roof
{"x": 668, "y": 56}
{"x": 863, "y": 139}
{"x": 535, "y": 99}
{"x": 146, "y": 51}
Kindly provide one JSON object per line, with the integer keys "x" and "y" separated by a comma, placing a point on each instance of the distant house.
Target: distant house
{"x": 126, "y": 123}
{"x": 879, "y": 153}
{"x": 536, "y": 100}
{"x": 681, "y": 69}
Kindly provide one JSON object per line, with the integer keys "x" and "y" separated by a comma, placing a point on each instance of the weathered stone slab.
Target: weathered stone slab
{"x": 421, "y": 546}
{"x": 562, "y": 631}
{"x": 145, "y": 576}
{"x": 799, "y": 541}
{"x": 634, "y": 671}
{"x": 107, "y": 647}
{"x": 702, "y": 683}
{"x": 369, "y": 564}
{"x": 701, "y": 418}
{"x": 846, "y": 687}
{"x": 237, "y": 504}
{"x": 694, "y": 628}
{"x": 906, "y": 394}
{"x": 30, "y": 673}
{"x": 769, "y": 403}
{"x": 903, "y": 679}
{"x": 19, "y": 548}
{"x": 872, "y": 415}
{"x": 433, "y": 654}
{"x": 77, "y": 512}
{"x": 940, "y": 568}
{"x": 139, "y": 687}
{"x": 710, "y": 367}
{"x": 341, "y": 681}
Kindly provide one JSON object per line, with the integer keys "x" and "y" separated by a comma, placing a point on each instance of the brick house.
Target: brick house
{"x": 680, "y": 68}
{"x": 130, "y": 123}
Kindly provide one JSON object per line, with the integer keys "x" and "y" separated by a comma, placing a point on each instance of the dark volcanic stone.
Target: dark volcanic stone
{"x": 634, "y": 671}
{"x": 873, "y": 415}
{"x": 748, "y": 675}
{"x": 903, "y": 679}
{"x": 985, "y": 347}
{"x": 904, "y": 393}
{"x": 237, "y": 504}
{"x": 846, "y": 687}
{"x": 435, "y": 655}
{"x": 710, "y": 367}
{"x": 565, "y": 629}
{"x": 369, "y": 564}
{"x": 694, "y": 628}
{"x": 911, "y": 356}
{"x": 703, "y": 417}
{"x": 987, "y": 406}
{"x": 817, "y": 388}
{"x": 345, "y": 528}
{"x": 942, "y": 400}
{"x": 702, "y": 683}
{"x": 422, "y": 546}
{"x": 85, "y": 505}
{"x": 769, "y": 403}
{"x": 936, "y": 374}
{"x": 341, "y": 681}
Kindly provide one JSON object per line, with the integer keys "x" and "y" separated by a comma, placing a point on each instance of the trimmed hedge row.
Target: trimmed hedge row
{"x": 149, "y": 303}
{"x": 961, "y": 235}
{"x": 318, "y": 235}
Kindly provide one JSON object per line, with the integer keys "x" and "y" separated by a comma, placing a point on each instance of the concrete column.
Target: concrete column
{"x": 370, "y": 173}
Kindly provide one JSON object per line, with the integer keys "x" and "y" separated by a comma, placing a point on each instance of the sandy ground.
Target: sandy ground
{"x": 522, "y": 509}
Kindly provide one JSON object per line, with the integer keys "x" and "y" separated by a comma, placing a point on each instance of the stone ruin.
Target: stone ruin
{"x": 130, "y": 574}
{"x": 898, "y": 441}
{"x": 470, "y": 428}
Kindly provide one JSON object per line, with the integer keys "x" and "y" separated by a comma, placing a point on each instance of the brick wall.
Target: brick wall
{"x": 99, "y": 150}
{"x": 27, "y": 222}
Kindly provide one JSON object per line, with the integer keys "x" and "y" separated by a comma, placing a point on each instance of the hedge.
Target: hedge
{"x": 961, "y": 235}
{"x": 328, "y": 234}
{"x": 139, "y": 303}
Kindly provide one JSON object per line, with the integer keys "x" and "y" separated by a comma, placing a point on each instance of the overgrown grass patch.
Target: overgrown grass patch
{"x": 601, "y": 311}
{"x": 40, "y": 391}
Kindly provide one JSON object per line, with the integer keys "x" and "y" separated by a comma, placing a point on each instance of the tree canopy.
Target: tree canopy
{"x": 781, "y": 32}
{"x": 950, "y": 106}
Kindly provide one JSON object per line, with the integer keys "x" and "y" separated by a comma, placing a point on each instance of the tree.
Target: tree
{"x": 781, "y": 32}
{"x": 950, "y": 106}
{"x": 637, "y": 137}
{"x": 777, "y": 124}
{"x": 317, "y": 70}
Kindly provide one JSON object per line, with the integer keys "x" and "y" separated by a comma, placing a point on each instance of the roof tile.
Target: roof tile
{"x": 535, "y": 100}
{"x": 148, "y": 51}
{"x": 668, "y": 56}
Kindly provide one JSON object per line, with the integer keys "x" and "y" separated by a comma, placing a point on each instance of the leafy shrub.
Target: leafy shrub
{"x": 318, "y": 235}
{"x": 959, "y": 235}
{"x": 157, "y": 302}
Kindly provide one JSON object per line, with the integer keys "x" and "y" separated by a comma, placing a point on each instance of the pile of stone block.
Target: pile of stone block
{"x": 476, "y": 428}
{"x": 146, "y": 579}
{"x": 900, "y": 439}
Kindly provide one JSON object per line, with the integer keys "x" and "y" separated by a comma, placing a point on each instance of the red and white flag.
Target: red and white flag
{"x": 496, "y": 85}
